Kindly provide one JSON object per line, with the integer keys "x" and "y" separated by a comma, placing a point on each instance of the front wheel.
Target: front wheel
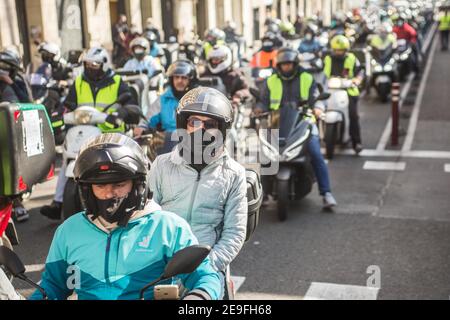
{"x": 71, "y": 200}
{"x": 330, "y": 139}
{"x": 283, "y": 199}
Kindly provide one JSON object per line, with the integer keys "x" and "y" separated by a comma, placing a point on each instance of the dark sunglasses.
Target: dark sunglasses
{"x": 195, "y": 122}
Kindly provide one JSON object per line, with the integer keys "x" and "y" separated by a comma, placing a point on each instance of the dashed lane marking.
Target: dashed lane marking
{"x": 331, "y": 291}
{"x": 384, "y": 165}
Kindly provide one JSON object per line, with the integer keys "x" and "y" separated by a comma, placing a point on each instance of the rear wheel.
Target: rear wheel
{"x": 283, "y": 199}
{"x": 330, "y": 139}
{"x": 71, "y": 201}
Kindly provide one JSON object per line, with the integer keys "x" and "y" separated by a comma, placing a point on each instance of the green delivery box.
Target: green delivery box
{"x": 27, "y": 147}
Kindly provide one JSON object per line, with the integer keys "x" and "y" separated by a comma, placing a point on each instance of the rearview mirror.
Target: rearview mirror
{"x": 324, "y": 96}
{"x": 124, "y": 97}
{"x": 186, "y": 261}
{"x": 11, "y": 261}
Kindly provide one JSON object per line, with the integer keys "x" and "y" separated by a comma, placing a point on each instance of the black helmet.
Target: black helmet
{"x": 286, "y": 55}
{"x": 182, "y": 68}
{"x": 10, "y": 61}
{"x": 207, "y": 102}
{"x": 112, "y": 158}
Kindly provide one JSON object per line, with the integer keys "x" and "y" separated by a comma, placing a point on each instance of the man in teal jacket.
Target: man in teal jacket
{"x": 122, "y": 241}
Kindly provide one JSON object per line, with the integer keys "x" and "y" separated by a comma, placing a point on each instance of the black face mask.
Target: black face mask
{"x": 112, "y": 210}
{"x": 199, "y": 145}
{"x": 94, "y": 75}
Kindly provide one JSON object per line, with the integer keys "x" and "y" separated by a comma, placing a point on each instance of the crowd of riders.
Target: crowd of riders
{"x": 195, "y": 190}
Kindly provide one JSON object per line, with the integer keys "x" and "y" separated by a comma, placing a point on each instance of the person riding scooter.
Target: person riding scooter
{"x": 140, "y": 48}
{"x": 341, "y": 63}
{"x": 405, "y": 31}
{"x": 98, "y": 87}
{"x": 199, "y": 174}
{"x": 213, "y": 37}
{"x": 266, "y": 56}
{"x": 139, "y": 237}
{"x": 309, "y": 43}
{"x": 220, "y": 64}
{"x": 182, "y": 78}
{"x": 51, "y": 54}
{"x": 282, "y": 92}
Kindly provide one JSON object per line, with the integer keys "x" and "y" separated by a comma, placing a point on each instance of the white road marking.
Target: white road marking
{"x": 387, "y": 130}
{"x": 418, "y": 104}
{"x": 34, "y": 268}
{"x": 384, "y": 165}
{"x": 447, "y": 167}
{"x": 419, "y": 154}
{"x": 265, "y": 296}
{"x": 238, "y": 282}
{"x": 330, "y": 291}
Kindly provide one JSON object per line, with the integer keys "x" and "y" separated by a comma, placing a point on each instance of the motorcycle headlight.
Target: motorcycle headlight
{"x": 378, "y": 68}
{"x": 191, "y": 47}
{"x": 269, "y": 151}
{"x": 82, "y": 117}
{"x": 388, "y": 68}
{"x": 404, "y": 56}
{"x": 293, "y": 151}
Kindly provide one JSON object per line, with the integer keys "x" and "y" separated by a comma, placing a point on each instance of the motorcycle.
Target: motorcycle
{"x": 384, "y": 68}
{"x": 295, "y": 177}
{"x": 146, "y": 90}
{"x": 403, "y": 56}
{"x": 8, "y": 233}
{"x": 84, "y": 122}
{"x": 184, "y": 261}
{"x": 190, "y": 51}
{"x": 336, "y": 120}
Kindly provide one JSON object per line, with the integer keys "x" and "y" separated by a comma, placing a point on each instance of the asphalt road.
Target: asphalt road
{"x": 389, "y": 238}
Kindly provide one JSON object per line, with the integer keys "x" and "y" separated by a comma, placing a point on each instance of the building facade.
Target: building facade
{"x": 77, "y": 24}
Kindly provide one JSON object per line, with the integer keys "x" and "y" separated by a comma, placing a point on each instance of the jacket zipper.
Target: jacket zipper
{"x": 108, "y": 249}
{"x": 189, "y": 217}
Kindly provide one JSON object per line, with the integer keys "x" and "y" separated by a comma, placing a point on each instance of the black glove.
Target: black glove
{"x": 113, "y": 121}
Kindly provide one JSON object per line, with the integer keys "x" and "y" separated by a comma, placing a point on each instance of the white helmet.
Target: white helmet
{"x": 50, "y": 48}
{"x": 140, "y": 42}
{"x": 224, "y": 55}
{"x": 98, "y": 55}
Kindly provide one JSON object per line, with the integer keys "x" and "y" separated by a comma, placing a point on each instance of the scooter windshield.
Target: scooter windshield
{"x": 285, "y": 122}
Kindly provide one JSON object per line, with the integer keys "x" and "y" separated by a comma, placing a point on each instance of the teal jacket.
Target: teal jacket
{"x": 116, "y": 266}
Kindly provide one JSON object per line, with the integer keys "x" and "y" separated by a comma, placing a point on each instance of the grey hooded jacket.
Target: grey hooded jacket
{"x": 213, "y": 202}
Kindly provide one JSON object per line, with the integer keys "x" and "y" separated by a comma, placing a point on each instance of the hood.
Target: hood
{"x": 107, "y": 227}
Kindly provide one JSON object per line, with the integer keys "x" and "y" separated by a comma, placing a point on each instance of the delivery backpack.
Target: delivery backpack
{"x": 27, "y": 147}
{"x": 254, "y": 197}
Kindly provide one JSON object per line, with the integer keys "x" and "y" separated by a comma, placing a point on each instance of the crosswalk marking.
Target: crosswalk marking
{"x": 447, "y": 167}
{"x": 331, "y": 291}
{"x": 384, "y": 165}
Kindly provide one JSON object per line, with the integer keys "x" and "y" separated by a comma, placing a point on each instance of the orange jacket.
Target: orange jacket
{"x": 261, "y": 59}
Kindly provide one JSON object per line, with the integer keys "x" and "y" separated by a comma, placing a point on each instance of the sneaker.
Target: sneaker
{"x": 358, "y": 148}
{"x": 329, "y": 201}
{"x": 53, "y": 211}
{"x": 20, "y": 214}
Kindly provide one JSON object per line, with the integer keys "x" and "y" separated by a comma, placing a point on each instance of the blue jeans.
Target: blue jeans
{"x": 319, "y": 165}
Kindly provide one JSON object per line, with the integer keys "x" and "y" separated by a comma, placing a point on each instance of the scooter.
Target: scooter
{"x": 403, "y": 56}
{"x": 384, "y": 69}
{"x": 84, "y": 122}
{"x": 184, "y": 261}
{"x": 336, "y": 120}
{"x": 295, "y": 177}
{"x": 8, "y": 233}
{"x": 145, "y": 90}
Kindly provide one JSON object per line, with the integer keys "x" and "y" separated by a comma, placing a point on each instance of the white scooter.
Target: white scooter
{"x": 336, "y": 121}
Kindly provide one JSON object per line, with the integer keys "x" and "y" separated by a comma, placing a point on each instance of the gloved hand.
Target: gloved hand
{"x": 113, "y": 121}
{"x": 57, "y": 119}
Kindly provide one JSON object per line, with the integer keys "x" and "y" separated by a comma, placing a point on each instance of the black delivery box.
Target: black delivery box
{"x": 27, "y": 147}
